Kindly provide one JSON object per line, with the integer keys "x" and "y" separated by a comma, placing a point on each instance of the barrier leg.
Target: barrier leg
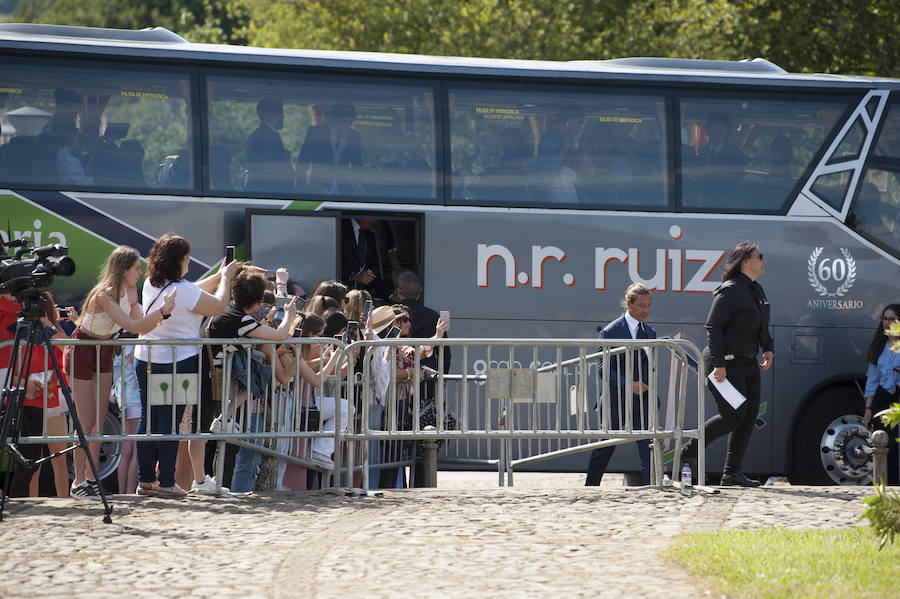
{"x": 429, "y": 463}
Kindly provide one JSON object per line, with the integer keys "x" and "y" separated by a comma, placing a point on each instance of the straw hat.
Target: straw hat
{"x": 382, "y": 317}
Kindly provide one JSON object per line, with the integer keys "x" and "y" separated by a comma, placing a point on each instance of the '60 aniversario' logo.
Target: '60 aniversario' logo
{"x": 827, "y": 272}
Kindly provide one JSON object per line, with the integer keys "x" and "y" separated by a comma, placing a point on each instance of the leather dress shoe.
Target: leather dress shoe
{"x": 738, "y": 479}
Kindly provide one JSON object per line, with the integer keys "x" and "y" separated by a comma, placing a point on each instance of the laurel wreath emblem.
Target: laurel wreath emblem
{"x": 814, "y": 278}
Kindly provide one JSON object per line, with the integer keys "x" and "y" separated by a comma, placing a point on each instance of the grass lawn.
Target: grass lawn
{"x": 770, "y": 563}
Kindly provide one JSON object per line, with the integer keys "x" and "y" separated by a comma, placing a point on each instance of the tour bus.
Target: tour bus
{"x": 525, "y": 193}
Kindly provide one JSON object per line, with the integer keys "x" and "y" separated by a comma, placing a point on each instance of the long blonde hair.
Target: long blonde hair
{"x": 111, "y": 277}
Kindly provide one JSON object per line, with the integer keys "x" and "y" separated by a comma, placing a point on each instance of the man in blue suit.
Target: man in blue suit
{"x": 631, "y": 325}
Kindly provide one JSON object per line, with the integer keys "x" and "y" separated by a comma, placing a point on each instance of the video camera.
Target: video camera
{"x": 26, "y": 278}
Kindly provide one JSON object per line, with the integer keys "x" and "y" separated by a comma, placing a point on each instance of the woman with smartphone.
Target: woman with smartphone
{"x": 168, "y": 264}
{"x": 313, "y": 367}
{"x": 111, "y": 305}
{"x": 247, "y": 293}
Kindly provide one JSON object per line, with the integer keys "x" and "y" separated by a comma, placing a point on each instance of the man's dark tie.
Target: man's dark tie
{"x": 362, "y": 247}
{"x": 641, "y": 333}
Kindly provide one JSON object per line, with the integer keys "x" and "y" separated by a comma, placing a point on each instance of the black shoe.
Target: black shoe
{"x": 738, "y": 479}
{"x": 689, "y": 450}
{"x": 689, "y": 457}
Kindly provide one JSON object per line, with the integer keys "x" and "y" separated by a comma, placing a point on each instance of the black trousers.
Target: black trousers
{"x": 30, "y": 426}
{"x": 743, "y": 373}
{"x": 882, "y": 400}
{"x": 599, "y": 459}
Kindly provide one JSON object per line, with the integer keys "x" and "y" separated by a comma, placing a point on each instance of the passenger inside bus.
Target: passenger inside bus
{"x": 69, "y": 159}
{"x": 330, "y": 150}
{"x": 268, "y": 162}
{"x": 555, "y": 179}
{"x": 769, "y": 186}
{"x": 718, "y": 166}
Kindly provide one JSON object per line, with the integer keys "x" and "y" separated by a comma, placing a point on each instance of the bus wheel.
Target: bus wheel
{"x": 830, "y": 442}
{"x": 110, "y": 451}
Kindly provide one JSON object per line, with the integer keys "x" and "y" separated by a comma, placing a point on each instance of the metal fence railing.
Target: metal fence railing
{"x": 527, "y": 400}
{"x": 504, "y": 404}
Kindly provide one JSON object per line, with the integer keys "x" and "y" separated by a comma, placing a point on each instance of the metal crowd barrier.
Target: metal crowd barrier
{"x": 525, "y": 400}
{"x": 283, "y": 409}
{"x": 514, "y": 402}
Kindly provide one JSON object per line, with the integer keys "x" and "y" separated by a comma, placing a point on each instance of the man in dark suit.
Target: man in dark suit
{"x": 630, "y": 325}
{"x": 718, "y": 166}
{"x": 361, "y": 258}
{"x": 268, "y": 162}
{"x": 330, "y": 152}
{"x": 423, "y": 320}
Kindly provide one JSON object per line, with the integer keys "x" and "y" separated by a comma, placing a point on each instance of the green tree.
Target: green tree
{"x": 197, "y": 20}
{"x": 830, "y": 36}
{"x": 800, "y": 35}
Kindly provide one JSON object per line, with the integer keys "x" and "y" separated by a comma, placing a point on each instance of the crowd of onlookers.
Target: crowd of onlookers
{"x": 279, "y": 386}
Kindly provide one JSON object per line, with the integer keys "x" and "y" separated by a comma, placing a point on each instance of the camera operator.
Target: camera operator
{"x": 39, "y": 383}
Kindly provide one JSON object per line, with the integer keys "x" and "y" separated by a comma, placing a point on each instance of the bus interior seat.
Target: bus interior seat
{"x": 30, "y": 159}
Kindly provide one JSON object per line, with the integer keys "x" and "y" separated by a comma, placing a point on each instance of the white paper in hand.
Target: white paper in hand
{"x": 727, "y": 390}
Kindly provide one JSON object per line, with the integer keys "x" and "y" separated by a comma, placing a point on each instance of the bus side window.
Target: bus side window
{"x": 93, "y": 124}
{"x": 522, "y": 146}
{"x": 746, "y": 153}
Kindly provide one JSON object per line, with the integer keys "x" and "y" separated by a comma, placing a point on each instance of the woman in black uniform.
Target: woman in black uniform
{"x": 736, "y": 328}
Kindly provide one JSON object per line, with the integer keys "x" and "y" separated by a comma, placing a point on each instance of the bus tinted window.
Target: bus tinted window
{"x": 888, "y": 145}
{"x": 521, "y": 146}
{"x": 746, "y": 154}
{"x": 875, "y": 213}
{"x": 321, "y": 137}
{"x": 75, "y": 127}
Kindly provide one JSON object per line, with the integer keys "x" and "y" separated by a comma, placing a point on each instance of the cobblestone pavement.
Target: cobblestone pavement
{"x": 530, "y": 540}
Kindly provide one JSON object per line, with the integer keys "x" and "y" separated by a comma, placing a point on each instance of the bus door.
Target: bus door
{"x": 303, "y": 242}
{"x": 385, "y": 243}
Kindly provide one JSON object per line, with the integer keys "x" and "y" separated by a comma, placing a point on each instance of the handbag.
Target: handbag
{"x": 217, "y": 382}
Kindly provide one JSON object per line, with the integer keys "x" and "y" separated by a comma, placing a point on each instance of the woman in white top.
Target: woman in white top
{"x": 167, "y": 264}
{"x": 111, "y": 305}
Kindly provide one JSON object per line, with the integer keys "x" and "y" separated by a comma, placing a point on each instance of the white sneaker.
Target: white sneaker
{"x": 230, "y": 426}
{"x": 207, "y": 487}
{"x": 320, "y": 459}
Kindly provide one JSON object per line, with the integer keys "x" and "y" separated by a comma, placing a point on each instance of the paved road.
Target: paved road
{"x": 532, "y": 540}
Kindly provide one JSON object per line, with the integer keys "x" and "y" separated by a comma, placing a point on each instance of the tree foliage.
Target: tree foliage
{"x": 832, "y": 36}
{"x": 213, "y": 21}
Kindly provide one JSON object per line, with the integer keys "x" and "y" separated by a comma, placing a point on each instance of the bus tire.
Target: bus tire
{"x": 110, "y": 451}
{"x": 829, "y": 439}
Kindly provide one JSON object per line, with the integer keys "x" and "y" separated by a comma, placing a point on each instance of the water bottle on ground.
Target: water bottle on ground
{"x": 686, "y": 483}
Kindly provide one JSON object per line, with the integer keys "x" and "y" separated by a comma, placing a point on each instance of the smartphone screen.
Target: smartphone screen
{"x": 350, "y": 333}
{"x": 279, "y": 316}
{"x": 281, "y": 302}
{"x": 367, "y": 307}
{"x": 229, "y": 254}
{"x": 394, "y": 332}
{"x": 445, "y": 316}
{"x": 62, "y": 313}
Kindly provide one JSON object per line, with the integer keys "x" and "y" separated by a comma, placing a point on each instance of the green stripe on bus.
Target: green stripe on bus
{"x": 303, "y": 205}
{"x": 42, "y": 227}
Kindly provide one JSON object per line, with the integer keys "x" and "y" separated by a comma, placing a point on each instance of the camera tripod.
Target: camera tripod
{"x": 30, "y": 333}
